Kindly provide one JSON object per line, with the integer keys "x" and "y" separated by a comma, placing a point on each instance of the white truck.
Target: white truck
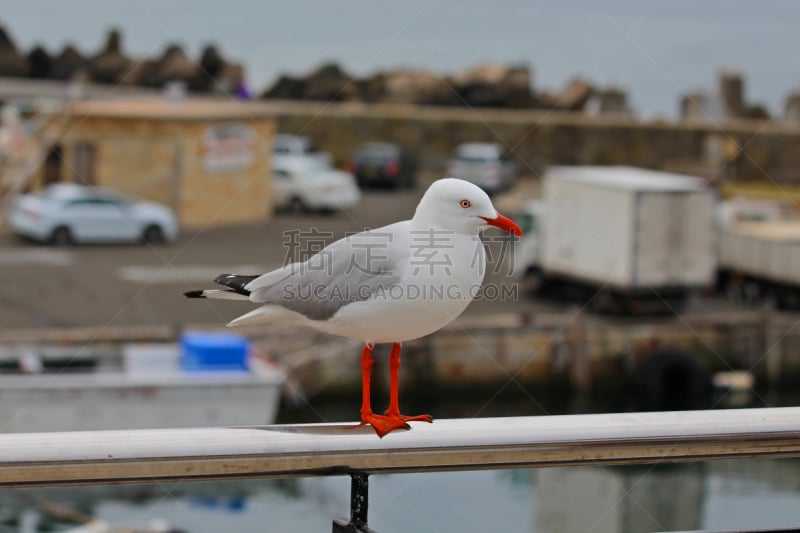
{"x": 622, "y": 239}
{"x": 761, "y": 259}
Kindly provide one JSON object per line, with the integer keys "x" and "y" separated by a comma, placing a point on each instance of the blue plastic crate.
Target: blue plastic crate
{"x": 202, "y": 351}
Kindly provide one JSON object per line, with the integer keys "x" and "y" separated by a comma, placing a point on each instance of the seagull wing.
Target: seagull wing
{"x": 349, "y": 270}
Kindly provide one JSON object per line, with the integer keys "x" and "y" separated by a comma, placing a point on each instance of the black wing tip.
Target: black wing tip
{"x": 235, "y": 281}
{"x": 222, "y": 278}
{"x": 194, "y": 294}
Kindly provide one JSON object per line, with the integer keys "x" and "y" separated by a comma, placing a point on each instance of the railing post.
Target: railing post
{"x": 359, "y": 506}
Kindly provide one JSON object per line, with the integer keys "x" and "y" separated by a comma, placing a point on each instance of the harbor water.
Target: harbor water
{"x": 714, "y": 495}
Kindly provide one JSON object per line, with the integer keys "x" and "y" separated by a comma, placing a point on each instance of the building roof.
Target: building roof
{"x": 160, "y": 108}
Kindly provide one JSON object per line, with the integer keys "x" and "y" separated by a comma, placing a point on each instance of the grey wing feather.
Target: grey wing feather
{"x": 350, "y": 270}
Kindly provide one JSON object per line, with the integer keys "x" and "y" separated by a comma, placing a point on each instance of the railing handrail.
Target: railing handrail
{"x": 163, "y": 455}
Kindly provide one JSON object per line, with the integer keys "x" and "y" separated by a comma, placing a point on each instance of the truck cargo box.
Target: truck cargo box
{"x": 628, "y": 228}
{"x": 769, "y": 250}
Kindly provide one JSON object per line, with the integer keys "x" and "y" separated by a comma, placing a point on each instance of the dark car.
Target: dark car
{"x": 379, "y": 164}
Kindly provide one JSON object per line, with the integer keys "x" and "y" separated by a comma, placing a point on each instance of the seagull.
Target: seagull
{"x": 385, "y": 285}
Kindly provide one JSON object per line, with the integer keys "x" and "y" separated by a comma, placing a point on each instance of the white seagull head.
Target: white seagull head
{"x": 460, "y": 206}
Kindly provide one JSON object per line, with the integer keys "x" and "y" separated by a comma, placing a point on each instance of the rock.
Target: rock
{"x": 40, "y": 64}
{"x": 373, "y": 88}
{"x": 68, "y": 64}
{"x": 230, "y": 77}
{"x": 415, "y": 87}
{"x": 755, "y": 112}
{"x": 111, "y": 65}
{"x": 494, "y": 85}
{"x": 141, "y": 72}
{"x": 12, "y": 63}
{"x": 286, "y": 88}
{"x": 487, "y": 74}
{"x": 173, "y": 65}
{"x": 329, "y": 83}
{"x": 212, "y": 67}
{"x": 545, "y": 100}
{"x": 613, "y": 100}
{"x": 518, "y": 81}
{"x": 731, "y": 92}
{"x": 575, "y": 96}
{"x": 691, "y": 105}
{"x": 791, "y": 110}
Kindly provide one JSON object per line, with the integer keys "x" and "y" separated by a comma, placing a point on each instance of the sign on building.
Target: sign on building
{"x": 228, "y": 147}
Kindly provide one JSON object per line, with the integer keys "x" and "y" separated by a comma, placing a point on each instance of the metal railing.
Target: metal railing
{"x": 168, "y": 455}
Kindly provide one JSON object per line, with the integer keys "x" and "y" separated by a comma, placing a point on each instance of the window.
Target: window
{"x": 53, "y": 164}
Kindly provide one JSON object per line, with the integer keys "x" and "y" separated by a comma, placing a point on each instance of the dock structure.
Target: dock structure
{"x": 283, "y": 451}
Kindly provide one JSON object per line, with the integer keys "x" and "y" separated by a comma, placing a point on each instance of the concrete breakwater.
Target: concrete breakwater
{"x": 728, "y": 150}
{"x": 565, "y": 350}
{"x": 657, "y": 358}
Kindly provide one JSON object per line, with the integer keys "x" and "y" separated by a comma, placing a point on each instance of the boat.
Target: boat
{"x": 137, "y": 386}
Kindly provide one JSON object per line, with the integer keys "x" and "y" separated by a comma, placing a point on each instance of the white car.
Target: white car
{"x": 67, "y": 213}
{"x": 485, "y": 165}
{"x": 284, "y": 145}
{"x": 309, "y": 182}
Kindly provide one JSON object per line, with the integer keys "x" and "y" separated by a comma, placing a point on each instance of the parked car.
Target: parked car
{"x": 292, "y": 145}
{"x": 380, "y": 164}
{"x": 67, "y": 213}
{"x": 485, "y": 165}
{"x": 309, "y": 182}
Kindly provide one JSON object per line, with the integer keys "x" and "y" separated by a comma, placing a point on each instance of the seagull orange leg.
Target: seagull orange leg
{"x": 394, "y": 385}
{"x": 380, "y": 423}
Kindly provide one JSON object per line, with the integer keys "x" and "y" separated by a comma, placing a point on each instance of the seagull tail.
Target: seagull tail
{"x": 216, "y": 294}
{"x": 272, "y": 314}
{"x": 235, "y": 288}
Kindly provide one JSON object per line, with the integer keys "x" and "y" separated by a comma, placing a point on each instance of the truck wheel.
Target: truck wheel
{"x": 604, "y": 301}
{"x": 787, "y": 298}
{"x": 670, "y": 378}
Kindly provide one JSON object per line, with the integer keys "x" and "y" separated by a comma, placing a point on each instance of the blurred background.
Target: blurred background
{"x": 649, "y": 150}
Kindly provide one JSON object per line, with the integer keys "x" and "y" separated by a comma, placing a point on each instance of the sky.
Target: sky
{"x": 657, "y": 50}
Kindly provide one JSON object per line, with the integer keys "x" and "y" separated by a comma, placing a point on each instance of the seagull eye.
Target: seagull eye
{"x": 466, "y": 203}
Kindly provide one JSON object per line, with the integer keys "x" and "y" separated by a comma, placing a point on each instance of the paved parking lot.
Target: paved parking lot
{"x": 117, "y": 285}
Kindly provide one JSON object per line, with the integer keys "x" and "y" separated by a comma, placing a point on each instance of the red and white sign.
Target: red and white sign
{"x": 228, "y": 147}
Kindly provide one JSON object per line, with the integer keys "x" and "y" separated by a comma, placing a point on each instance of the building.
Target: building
{"x": 207, "y": 159}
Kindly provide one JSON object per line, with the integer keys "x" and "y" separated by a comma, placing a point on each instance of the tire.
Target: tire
{"x": 153, "y": 234}
{"x": 604, "y": 302}
{"x": 61, "y": 236}
{"x": 787, "y": 298}
{"x": 297, "y": 205}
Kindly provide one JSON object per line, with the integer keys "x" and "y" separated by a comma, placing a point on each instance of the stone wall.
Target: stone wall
{"x": 733, "y": 149}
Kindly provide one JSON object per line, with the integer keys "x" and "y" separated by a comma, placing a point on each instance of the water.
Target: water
{"x": 715, "y": 495}
{"x": 656, "y": 49}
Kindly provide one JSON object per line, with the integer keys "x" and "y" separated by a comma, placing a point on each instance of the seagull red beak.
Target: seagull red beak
{"x": 505, "y": 224}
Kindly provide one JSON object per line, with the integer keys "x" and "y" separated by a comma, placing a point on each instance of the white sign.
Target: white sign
{"x": 228, "y": 147}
